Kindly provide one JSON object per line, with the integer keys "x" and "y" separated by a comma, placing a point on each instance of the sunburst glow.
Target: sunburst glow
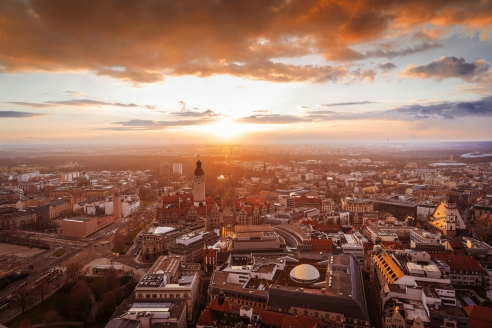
{"x": 228, "y": 129}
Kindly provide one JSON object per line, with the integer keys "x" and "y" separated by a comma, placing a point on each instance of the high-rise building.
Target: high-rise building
{"x": 116, "y": 203}
{"x": 166, "y": 169}
{"x": 177, "y": 168}
{"x": 199, "y": 183}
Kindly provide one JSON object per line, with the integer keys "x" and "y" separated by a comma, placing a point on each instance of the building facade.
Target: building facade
{"x": 199, "y": 183}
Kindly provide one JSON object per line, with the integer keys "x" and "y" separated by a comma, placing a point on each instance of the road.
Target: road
{"x": 12, "y": 310}
{"x": 82, "y": 251}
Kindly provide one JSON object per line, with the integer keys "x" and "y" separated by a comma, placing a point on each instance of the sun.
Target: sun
{"x": 226, "y": 128}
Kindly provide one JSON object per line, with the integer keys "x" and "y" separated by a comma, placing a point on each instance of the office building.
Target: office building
{"x": 172, "y": 278}
{"x": 178, "y": 168}
{"x": 398, "y": 206}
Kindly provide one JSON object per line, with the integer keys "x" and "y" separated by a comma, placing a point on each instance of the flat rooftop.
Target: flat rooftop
{"x": 166, "y": 264}
{"x": 449, "y": 310}
{"x": 219, "y": 281}
{"x": 161, "y": 230}
{"x": 253, "y": 228}
{"x": 173, "y": 306}
{"x": 80, "y": 218}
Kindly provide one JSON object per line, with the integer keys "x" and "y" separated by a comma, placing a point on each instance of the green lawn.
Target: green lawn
{"x": 59, "y": 252}
{"x": 36, "y": 314}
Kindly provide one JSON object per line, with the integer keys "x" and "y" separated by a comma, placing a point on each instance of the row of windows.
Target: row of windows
{"x": 185, "y": 295}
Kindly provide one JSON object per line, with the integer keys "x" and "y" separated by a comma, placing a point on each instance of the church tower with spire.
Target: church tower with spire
{"x": 199, "y": 184}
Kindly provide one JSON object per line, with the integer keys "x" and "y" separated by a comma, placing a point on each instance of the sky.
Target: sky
{"x": 241, "y": 72}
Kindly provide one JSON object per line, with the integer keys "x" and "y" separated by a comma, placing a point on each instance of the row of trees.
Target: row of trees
{"x": 13, "y": 237}
{"x": 83, "y": 299}
{"x": 26, "y": 295}
{"x": 50, "y": 318}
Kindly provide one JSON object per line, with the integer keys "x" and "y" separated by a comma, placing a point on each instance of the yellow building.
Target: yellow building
{"x": 357, "y": 205}
{"x": 60, "y": 206}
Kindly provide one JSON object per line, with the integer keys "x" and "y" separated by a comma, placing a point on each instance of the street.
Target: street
{"x": 82, "y": 251}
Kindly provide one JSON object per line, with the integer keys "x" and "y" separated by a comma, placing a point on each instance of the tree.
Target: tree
{"x": 42, "y": 288}
{"x": 25, "y": 323}
{"x": 106, "y": 307}
{"x": 51, "y": 317}
{"x": 22, "y": 297}
{"x": 80, "y": 301}
{"x": 110, "y": 277}
{"x": 74, "y": 271}
{"x": 119, "y": 242}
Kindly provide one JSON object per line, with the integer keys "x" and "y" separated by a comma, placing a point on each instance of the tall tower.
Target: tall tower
{"x": 117, "y": 203}
{"x": 166, "y": 172}
{"x": 199, "y": 183}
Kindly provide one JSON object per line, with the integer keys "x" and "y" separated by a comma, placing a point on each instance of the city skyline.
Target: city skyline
{"x": 244, "y": 72}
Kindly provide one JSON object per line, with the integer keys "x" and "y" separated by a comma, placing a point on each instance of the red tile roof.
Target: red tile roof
{"x": 392, "y": 245}
{"x": 267, "y": 317}
{"x": 300, "y": 322}
{"x": 479, "y": 316}
{"x": 459, "y": 262}
{"x": 206, "y": 318}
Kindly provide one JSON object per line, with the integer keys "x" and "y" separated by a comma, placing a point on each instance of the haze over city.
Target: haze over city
{"x": 246, "y": 164}
{"x": 244, "y": 72}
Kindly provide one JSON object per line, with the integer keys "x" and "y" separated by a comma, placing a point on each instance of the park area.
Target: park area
{"x": 81, "y": 299}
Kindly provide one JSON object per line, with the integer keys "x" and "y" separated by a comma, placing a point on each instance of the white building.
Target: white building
{"x": 424, "y": 237}
{"x": 286, "y": 201}
{"x": 170, "y": 277}
{"x": 327, "y": 205}
{"x": 130, "y": 205}
{"x": 177, "y": 168}
{"x": 65, "y": 177}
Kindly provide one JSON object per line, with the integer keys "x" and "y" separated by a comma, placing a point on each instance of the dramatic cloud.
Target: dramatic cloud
{"x": 449, "y": 110}
{"x": 279, "y": 72}
{"x": 14, "y": 114}
{"x": 445, "y": 110}
{"x": 27, "y": 104}
{"x": 144, "y": 41}
{"x": 448, "y": 67}
{"x": 348, "y": 103}
{"x": 78, "y": 103}
{"x": 386, "y": 67}
{"x": 142, "y": 125}
{"x": 189, "y": 113}
{"x": 272, "y": 119}
{"x": 391, "y": 53}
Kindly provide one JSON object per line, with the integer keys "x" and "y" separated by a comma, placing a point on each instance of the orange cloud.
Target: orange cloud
{"x": 143, "y": 41}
